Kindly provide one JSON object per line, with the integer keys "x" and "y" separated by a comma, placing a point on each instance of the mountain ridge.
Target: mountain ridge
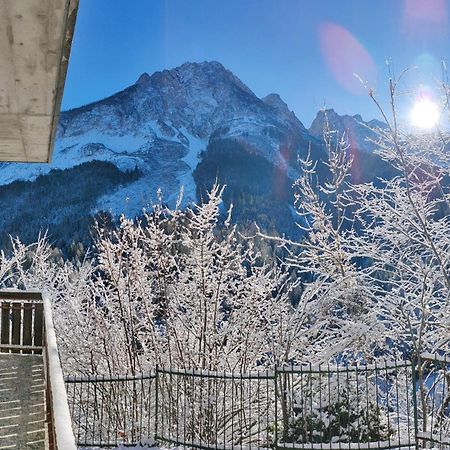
{"x": 356, "y": 129}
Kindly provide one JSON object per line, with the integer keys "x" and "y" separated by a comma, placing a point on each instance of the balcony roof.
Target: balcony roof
{"x": 35, "y": 41}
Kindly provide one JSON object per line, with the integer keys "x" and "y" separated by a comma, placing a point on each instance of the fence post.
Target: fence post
{"x": 414, "y": 386}
{"x": 156, "y": 401}
{"x": 276, "y": 408}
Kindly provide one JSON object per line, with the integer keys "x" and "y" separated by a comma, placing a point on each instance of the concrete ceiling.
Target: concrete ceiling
{"x": 35, "y": 40}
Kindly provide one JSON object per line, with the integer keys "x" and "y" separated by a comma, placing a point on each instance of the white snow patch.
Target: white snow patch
{"x": 10, "y": 172}
{"x": 117, "y": 143}
{"x": 192, "y": 158}
{"x": 196, "y": 145}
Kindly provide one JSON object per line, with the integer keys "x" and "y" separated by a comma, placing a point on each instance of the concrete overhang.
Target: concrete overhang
{"x": 35, "y": 41}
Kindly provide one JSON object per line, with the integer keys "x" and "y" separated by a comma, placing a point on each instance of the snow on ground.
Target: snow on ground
{"x": 65, "y": 157}
{"x": 10, "y": 172}
{"x": 136, "y": 447}
{"x": 71, "y": 151}
{"x": 122, "y": 447}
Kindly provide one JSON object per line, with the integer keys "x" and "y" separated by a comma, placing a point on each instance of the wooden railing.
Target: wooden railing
{"x": 21, "y": 322}
{"x": 26, "y": 327}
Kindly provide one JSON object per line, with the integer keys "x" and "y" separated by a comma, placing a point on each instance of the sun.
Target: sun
{"x": 424, "y": 114}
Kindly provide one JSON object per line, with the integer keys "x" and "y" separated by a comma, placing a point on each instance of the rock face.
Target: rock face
{"x": 361, "y": 139}
{"x": 188, "y": 127}
{"x": 356, "y": 129}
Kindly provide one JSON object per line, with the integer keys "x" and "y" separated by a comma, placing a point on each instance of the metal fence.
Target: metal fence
{"x": 387, "y": 405}
{"x": 367, "y": 406}
{"x": 204, "y": 409}
{"x": 433, "y": 406}
{"x": 108, "y": 411}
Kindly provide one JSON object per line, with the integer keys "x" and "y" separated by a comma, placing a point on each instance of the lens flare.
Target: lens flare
{"x": 424, "y": 114}
{"x": 346, "y": 56}
{"x": 425, "y": 17}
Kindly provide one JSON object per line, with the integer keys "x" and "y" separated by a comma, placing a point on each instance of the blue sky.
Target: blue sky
{"x": 304, "y": 50}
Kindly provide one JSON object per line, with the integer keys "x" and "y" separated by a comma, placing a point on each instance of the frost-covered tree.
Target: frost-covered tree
{"x": 376, "y": 254}
{"x": 410, "y": 238}
{"x": 379, "y": 251}
{"x": 338, "y": 288}
{"x": 176, "y": 289}
{"x": 408, "y": 235}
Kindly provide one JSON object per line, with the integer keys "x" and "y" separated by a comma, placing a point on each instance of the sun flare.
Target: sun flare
{"x": 424, "y": 114}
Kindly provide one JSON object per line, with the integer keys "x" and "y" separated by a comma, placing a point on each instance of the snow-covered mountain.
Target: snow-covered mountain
{"x": 160, "y": 125}
{"x": 185, "y": 127}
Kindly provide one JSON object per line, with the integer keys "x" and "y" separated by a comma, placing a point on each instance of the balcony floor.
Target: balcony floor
{"x": 22, "y": 402}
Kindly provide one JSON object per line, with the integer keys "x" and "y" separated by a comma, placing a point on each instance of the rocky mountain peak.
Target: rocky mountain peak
{"x": 276, "y": 102}
{"x": 356, "y": 129}
{"x": 335, "y": 121}
{"x": 211, "y": 71}
{"x": 193, "y": 75}
{"x": 144, "y": 79}
{"x": 180, "y": 108}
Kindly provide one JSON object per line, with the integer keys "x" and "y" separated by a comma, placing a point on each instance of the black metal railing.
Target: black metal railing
{"x": 368, "y": 406}
{"x": 433, "y": 388}
{"x": 386, "y": 405}
{"x": 205, "y": 409}
{"x": 108, "y": 411}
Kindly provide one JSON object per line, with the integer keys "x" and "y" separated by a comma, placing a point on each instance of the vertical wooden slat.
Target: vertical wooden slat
{"x": 4, "y": 338}
{"x": 16, "y": 325}
{"x": 27, "y": 324}
{"x": 1, "y": 322}
{"x": 38, "y": 325}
